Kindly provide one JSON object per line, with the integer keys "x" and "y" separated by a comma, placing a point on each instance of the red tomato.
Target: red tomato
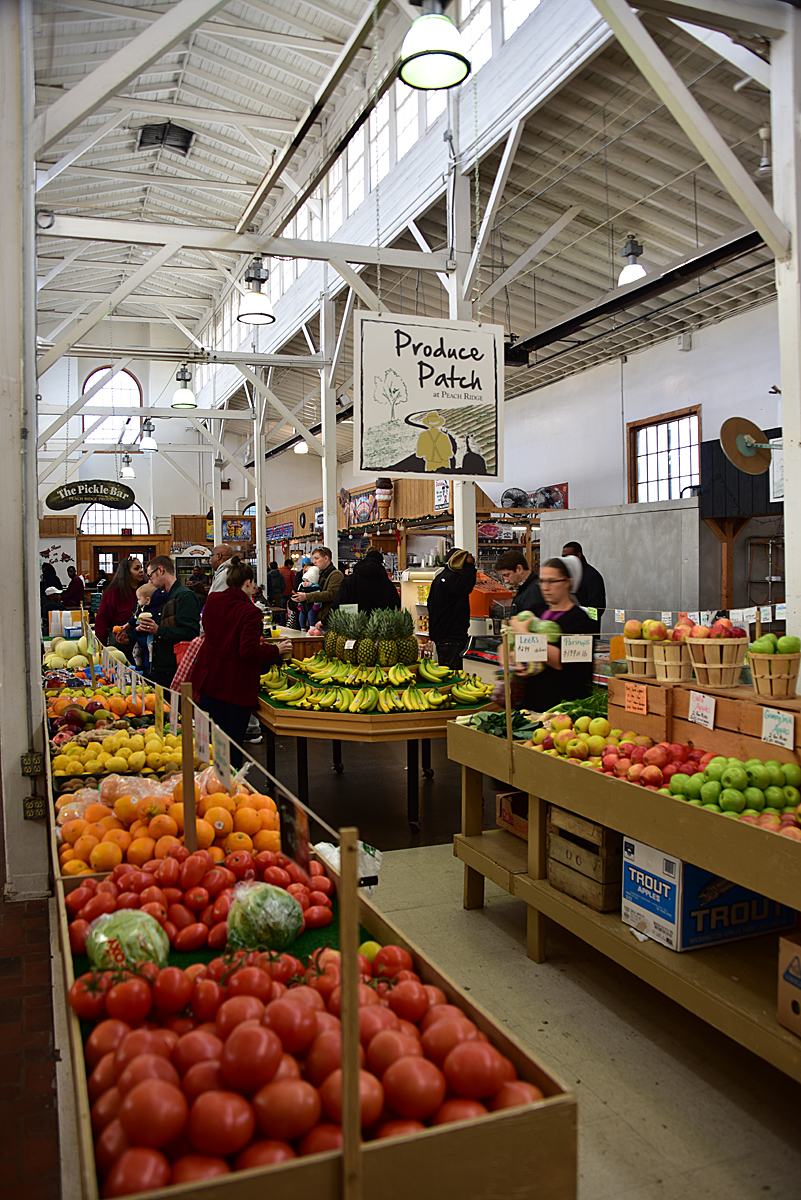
{"x": 154, "y": 1112}
{"x": 318, "y": 916}
{"x": 206, "y": 917}
{"x": 250, "y": 1057}
{"x": 241, "y": 863}
{"x": 128, "y": 900}
{"x": 203, "y": 1077}
{"x": 172, "y": 895}
{"x": 372, "y": 1020}
{"x": 325, "y": 1056}
{"x": 91, "y": 884}
{"x": 151, "y": 866}
{"x": 250, "y": 981}
{"x": 323, "y": 884}
{"x": 169, "y": 872}
{"x": 78, "y": 931}
{"x": 108, "y": 886}
{"x": 222, "y": 904}
{"x": 178, "y": 1025}
{"x": 144, "y": 1067}
{"x": 75, "y": 901}
{"x": 192, "y": 871}
{"x": 264, "y": 859}
{"x": 409, "y": 1030}
{"x": 407, "y": 976}
{"x": 137, "y": 881}
{"x": 391, "y": 959}
{"x": 388, "y": 1045}
{"x": 218, "y": 936}
{"x": 196, "y": 899}
{"x": 474, "y": 1069}
{"x": 171, "y": 931}
{"x": 319, "y": 900}
{"x": 172, "y": 990}
{"x": 221, "y": 1123}
{"x": 138, "y": 1169}
{"x": 157, "y": 911}
{"x": 196, "y": 1047}
{"x": 153, "y": 895}
{"x": 180, "y": 915}
{"x": 87, "y": 997}
{"x": 325, "y": 983}
{"x": 316, "y": 868}
{"x": 371, "y": 1095}
{"x": 295, "y": 1024}
{"x": 97, "y": 905}
{"x": 288, "y": 1068}
{"x": 216, "y": 879}
{"x": 232, "y": 1012}
{"x": 105, "y": 1109}
{"x": 263, "y": 1153}
{"x": 303, "y": 994}
{"x": 109, "y": 1146}
{"x": 287, "y": 1109}
{"x": 207, "y": 996}
{"x": 139, "y": 1041}
{"x": 366, "y": 996}
{"x": 322, "y": 1138}
{"x": 196, "y": 970}
{"x": 442, "y": 1012}
{"x": 441, "y": 1037}
{"x": 298, "y": 875}
{"x": 102, "y": 1078}
{"x": 398, "y": 1128}
{"x": 414, "y": 1087}
{"x": 458, "y": 1110}
{"x": 179, "y": 853}
{"x": 105, "y": 1037}
{"x": 300, "y": 893}
{"x": 515, "y": 1092}
{"x": 190, "y": 1167}
{"x": 121, "y": 869}
{"x": 281, "y": 970}
{"x": 278, "y": 877}
{"x": 193, "y": 937}
{"x": 436, "y": 996}
{"x": 129, "y": 1001}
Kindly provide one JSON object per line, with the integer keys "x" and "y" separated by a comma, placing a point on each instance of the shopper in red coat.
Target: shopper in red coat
{"x": 118, "y": 604}
{"x": 225, "y": 677}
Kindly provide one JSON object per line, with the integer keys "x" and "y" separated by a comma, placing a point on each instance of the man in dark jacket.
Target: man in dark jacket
{"x": 368, "y": 585}
{"x": 449, "y": 607}
{"x": 592, "y": 590}
{"x": 179, "y": 620}
{"x": 330, "y": 582}
{"x": 517, "y": 575}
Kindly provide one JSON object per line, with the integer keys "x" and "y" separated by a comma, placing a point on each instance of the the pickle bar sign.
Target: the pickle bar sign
{"x": 90, "y": 491}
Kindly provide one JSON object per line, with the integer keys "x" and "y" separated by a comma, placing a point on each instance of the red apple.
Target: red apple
{"x": 678, "y": 752}
{"x": 657, "y": 756}
{"x": 635, "y": 771}
{"x": 610, "y": 748}
{"x": 638, "y": 754}
{"x": 632, "y": 629}
{"x": 669, "y": 771}
{"x": 700, "y": 631}
{"x": 608, "y": 761}
{"x": 687, "y": 768}
{"x": 696, "y": 756}
{"x": 791, "y": 831}
{"x": 650, "y": 787}
{"x": 748, "y": 819}
{"x": 621, "y": 767}
{"x": 626, "y": 748}
{"x": 547, "y": 743}
{"x": 737, "y": 632}
{"x": 681, "y": 632}
{"x": 652, "y": 777}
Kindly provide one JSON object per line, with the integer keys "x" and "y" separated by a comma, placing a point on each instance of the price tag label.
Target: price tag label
{"x": 620, "y": 616}
{"x": 119, "y": 677}
{"x": 702, "y": 710}
{"x": 636, "y": 698}
{"x": 781, "y": 612}
{"x": 294, "y": 830}
{"x": 736, "y": 615}
{"x": 350, "y": 643}
{"x": 778, "y": 727}
{"x": 764, "y": 612}
{"x": 695, "y": 617}
{"x": 202, "y": 730}
{"x": 108, "y": 663}
{"x": 531, "y": 647}
{"x": 221, "y": 748}
{"x": 592, "y": 613}
{"x": 352, "y": 609}
{"x": 750, "y": 615}
{"x": 577, "y": 648}
{"x": 174, "y": 698}
{"x": 667, "y": 618}
{"x": 158, "y": 713}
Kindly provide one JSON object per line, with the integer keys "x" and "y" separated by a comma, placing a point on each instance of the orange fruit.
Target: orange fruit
{"x": 268, "y": 819}
{"x": 237, "y": 841}
{"x": 247, "y": 820}
{"x": 162, "y": 826}
{"x": 268, "y": 839}
{"x": 118, "y": 837}
{"x": 177, "y": 814}
{"x": 72, "y": 830}
{"x": 165, "y": 844}
{"x": 150, "y": 702}
{"x": 105, "y": 856}
{"x": 140, "y": 851}
{"x": 152, "y": 806}
{"x": 94, "y": 830}
{"x": 96, "y": 812}
{"x": 205, "y": 834}
{"x": 178, "y": 792}
{"x": 221, "y": 819}
{"x": 66, "y": 854}
{"x": 84, "y": 846}
{"x": 139, "y": 829}
{"x": 126, "y": 808}
{"x": 216, "y": 800}
{"x": 217, "y": 853}
{"x": 62, "y": 800}
{"x": 135, "y": 706}
{"x": 75, "y": 866}
{"x": 61, "y": 703}
{"x": 110, "y": 823}
{"x": 118, "y": 705}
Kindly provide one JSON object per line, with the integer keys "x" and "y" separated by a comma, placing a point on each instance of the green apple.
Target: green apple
{"x": 776, "y": 773}
{"x": 665, "y": 791}
{"x": 773, "y": 812}
{"x": 774, "y": 797}
{"x": 710, "y": 791}
{"x": 596, "y": 744}
{"x": 754, "y": 799}
{"x": 600, "y": 727}
{"x": 710, "y": 807}
{"x": 729, "y": 813}
{"x": 677, "y": 784}
{"x": 758, "y": 776}
{"x": 582, "y": 725}
{"x": 693, "y": 786}
{"x": 715, "y": 769}
{"x": 792, "y": 774}
{"x": 697, "y": 803}
{"x": 735, "y": 776}
{"x": 732, "y": 800}
{"x": 792, "y": 797}
{"x": 750, "y": 812}
{"x": 788, "y": 644}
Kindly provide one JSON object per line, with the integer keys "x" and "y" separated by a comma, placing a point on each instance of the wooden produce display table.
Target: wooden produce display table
{"x": 732, "y": 985}
{"x": 303, "y": 645}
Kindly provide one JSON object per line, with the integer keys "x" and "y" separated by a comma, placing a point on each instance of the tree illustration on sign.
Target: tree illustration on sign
{"x": 390, "y": 390}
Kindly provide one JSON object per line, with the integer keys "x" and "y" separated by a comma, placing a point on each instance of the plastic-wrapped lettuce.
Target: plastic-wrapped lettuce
{"x": 128, "y": 936}
{"x": 263, "y": 917}
{"x": 551, "y": 629}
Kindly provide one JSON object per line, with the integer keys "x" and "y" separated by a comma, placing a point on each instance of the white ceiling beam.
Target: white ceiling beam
{"x": 423, "y": 244}
{"x": 179, "y": 325}
{"x": 217, "y": 444}
{"x": 496, "y": 195}
{"x": 287, "y": 18}
{"x": 103, "y": 9}
{"x": 343, "y": 333}
{"x": 140, "y": 177}
{"x": 526, "y": 257}
{"x": 196, "y": 112}
{"x": 118, "y": 70}
{"x": 73, "y": 316}
{"x": 133, "y": 410}
{"x": 310, "y": 342}
{"x": 313, "y": 394}
{"x": 226, "y": 274}
{"x": 198, "y": 237}
{"x": 185, "y": 475}
{"x": 689, "y": 115}
{"x": 85, "y": 433}
{"x": 257, "y": 148}
{"x": 751, "y": 65}
{"x": 312, "y": 442}
{"x": 321, "y": 98}
{"x": 765, "y": 18}
{"x": 78, "y": 404}
{"x": 43, "y": 280}
{"x": 47, "y": 176}
{"x": 143, "y": 297}
{"x": 108, "y": 304}
{"x": 356, "y": 282}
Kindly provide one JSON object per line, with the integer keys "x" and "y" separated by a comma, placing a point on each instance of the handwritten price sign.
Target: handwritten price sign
{"x": 702, "y": 710}
{"x": 636, "y": 699}
{"x": 531, "y": 647}
{"x": 778, "y": 728}
{"x": 577, "y": 648}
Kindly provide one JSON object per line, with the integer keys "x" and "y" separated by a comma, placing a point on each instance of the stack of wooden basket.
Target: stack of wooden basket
{"x": 672, "y": 662}
{"x": 640, "y": 657}
{"x": 774, "y": 674}
{"x": 717, "y": 662}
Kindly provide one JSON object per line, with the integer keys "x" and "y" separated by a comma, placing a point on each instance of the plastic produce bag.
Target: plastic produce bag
{"x": 128, "y": 936}
{"x": 368, "y": 861}
{"x": 114, "y": 786}
{"x": 263, "y": 917}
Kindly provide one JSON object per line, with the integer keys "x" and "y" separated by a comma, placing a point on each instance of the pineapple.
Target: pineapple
{"x": 407, "y": 642}
{"x": 366, "y": 653}
{"x": 353, "y": 625}
{"x": 387, "y": 645}
{"x": 330, "y": 643}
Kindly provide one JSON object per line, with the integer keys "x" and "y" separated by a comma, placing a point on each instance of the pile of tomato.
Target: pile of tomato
{"x": 237, "y": 1063}
{"x": 190, "y": 894}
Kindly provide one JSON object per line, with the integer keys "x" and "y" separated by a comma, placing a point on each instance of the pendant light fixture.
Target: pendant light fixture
{"x": 632, "y": 251}
{"x": 147, "y": 442}
{"x": 433, "y": 55}
{"x": 183, "y": 397}
{"x": 301, "y": 447}
{"x": 765, "y": 168}
{"x": 254, "y": 306}
{"x": 127, "y": 471}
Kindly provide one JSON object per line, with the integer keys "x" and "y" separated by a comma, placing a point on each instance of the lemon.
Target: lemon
{"x": 124, "y": 752}
{"x": 115, "y": 765}
{"x": 74, "y": 766}
{"x": 154, "y": 761}
{"x": 109, "y": 743}
{"x": 137, "y": 742}
{"x": 136, "y": 760}
{"x": 59, "y": 762}
{"x": 171, "y": 740}
{"x": 70, "y": 749}
{"x": 92, "y": 767}
{"x": 155, "y": 742}
{"x": 146, "y": 771}
{"x": 95, "y": 748}
{"x": 103, "y": 757}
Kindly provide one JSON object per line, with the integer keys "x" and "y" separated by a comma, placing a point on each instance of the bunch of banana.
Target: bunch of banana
{"x": 414, "y": 700}
{"x": 432, "y": 672}
{"x": 365, "y": 700}
{"x": 274, "y": 679}
{"x": 472, "y": 692}
{"x": 399, "y": 675}
{"x": 287, "y": 695}
{"x": 311, "y": 699}
{"x": 434, "y": 698}
{"x": 389, "y": 701}
{"x": 344, "y": 699}
{"x": 330, "y": 671}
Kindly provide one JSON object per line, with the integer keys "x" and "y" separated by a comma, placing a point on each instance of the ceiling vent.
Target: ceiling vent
{"x": 174, "y": 137}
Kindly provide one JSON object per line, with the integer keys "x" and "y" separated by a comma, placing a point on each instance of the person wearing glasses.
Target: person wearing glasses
{"x": 179, "y": 620}
{"x": 560, "y": 579}
{"x": 219, "y": 563}
{"x": 515, "y": 572}
{"x": 118, "y": 604}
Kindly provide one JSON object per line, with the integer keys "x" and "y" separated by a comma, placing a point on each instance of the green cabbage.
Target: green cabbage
{"x": 128, "y": 936}
{"x": 263, "y": 917}
{"x": 551, "y": 629}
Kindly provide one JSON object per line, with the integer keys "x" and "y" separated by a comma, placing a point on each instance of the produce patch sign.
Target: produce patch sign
{"x": 428, "y": 397}
{"x": 90, "y": 491}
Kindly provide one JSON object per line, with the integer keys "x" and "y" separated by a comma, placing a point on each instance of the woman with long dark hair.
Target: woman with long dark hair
{"x": 118, "y": 604}
{"x": 50, "y": 590}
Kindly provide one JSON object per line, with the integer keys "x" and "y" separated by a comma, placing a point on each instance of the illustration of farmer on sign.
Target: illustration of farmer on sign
{"x": 434, "y": 446}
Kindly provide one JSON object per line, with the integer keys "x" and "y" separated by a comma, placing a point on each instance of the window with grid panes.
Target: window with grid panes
{"x": 474, "y": 23}
{"x": 335, "y": 183}
{"x": 406, "y": 117}
{"x": 436, "y": 103}
{"x": 663, "y": 456}
{"x": 515, "y": 13}
{"x": 355, "y": 153}
{"x": 302, "y": 218}
{"x": 315, "y": 204}
{"x": 379, "y": 141}
{"x": 97, "y": 518}
{"x": 123, "y": 391}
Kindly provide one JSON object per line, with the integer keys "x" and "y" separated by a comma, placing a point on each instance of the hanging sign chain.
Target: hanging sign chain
{"x": 377, "y": 187}
{"x": 477, "y": 197}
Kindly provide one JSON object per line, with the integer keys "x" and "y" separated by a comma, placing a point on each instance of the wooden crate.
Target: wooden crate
{"x": 655, "y": 721}
{"x": 585, "y": 860}
{"x": 499, "y": 1154}
{"x": 511, "y": 812}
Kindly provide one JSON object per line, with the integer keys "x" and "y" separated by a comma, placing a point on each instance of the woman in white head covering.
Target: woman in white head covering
{"x": 560, "y": 578}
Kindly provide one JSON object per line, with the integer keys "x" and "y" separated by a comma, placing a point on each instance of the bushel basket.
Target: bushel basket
{"x": 774, "y": 674}
{"x": 640, "y": 657}
{"x": 717, "y": 662}
{"x": 672, "y": 662}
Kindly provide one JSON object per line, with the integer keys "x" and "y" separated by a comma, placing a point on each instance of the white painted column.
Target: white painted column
{"x": 21, "y": 709}
{"x": 785, "y": 100}
{"x": 328, "y": 433}
{"x": 216, "y": 491}
{"x": 463, "y": 492}
{"x": 262, "y": 560}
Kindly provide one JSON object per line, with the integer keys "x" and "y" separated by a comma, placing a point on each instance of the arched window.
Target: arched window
{"x": 99, "y": 518}
{"x": 123, "y": 391}
{"x": 250, "y": 511}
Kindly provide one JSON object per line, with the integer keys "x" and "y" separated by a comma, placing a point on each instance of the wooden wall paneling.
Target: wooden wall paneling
{"x": 190, "y": 527}
{"x": 59, "y": 527}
